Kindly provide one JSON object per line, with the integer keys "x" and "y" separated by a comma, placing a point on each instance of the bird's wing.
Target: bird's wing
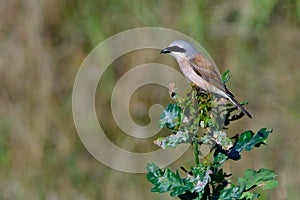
{"x": 204, "y": 68}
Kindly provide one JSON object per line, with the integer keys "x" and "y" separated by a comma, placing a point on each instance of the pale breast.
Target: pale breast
{"x": 195, "y": 78}
{"x": 191, "y": 75}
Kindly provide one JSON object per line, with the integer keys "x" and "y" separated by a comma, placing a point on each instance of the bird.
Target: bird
{"x": 199, "y": 70}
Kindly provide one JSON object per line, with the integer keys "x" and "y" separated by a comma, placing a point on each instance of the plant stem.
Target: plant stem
{"x": 196, "y": 150}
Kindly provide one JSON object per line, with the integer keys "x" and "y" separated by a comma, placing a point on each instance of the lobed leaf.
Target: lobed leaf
{"x": 249, "y": 196}
{"x": 171, "y": 116}
{"x": 172, "y": 140}
{"x": 200, "y": 178}
{"x": 231, "y": 192}
{"x": 263, "y": 177}
{"x": 247, "y": 141}
{"x": 165, "y": 180}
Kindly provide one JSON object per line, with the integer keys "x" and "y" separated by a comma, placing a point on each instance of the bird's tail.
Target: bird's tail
{"x": 235, "y": 102}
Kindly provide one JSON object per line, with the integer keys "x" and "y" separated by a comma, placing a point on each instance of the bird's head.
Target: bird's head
{"x": 180, "y": 49}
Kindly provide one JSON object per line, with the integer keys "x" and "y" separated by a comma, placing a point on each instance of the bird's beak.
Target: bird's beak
{"x": 165, "y": 51}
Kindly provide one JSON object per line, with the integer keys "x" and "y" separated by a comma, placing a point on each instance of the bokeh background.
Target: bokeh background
{"x": 43, "y": 44}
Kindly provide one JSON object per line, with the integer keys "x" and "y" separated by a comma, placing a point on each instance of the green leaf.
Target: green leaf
{"x": 171, "y": 116}
{"x": 242, "y": 183}
{"x": 258, "y": 138}
{"x": 247, "y": 141}
{"x": 190, "y": 113}
{"x": 271, "y": 184}
{"x": 243, "y": 141}
{"x": 172, "y": 140}
{"x": 231, "y": 192}
{"x": 200, "y": 178}
{"x": 226, "y": 76}
{"x": 165, "y": 180}
{"x": 218, "y": 137}
{"x": 263, "y": 177}
{"x": 249, "y": 196}
{"x": 219, "y": 158}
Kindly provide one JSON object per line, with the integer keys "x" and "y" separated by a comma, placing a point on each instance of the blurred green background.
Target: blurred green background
{"x": 44, "y": 42}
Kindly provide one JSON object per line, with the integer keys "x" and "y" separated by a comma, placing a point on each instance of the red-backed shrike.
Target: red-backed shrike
{"x": 199, "y": 70}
